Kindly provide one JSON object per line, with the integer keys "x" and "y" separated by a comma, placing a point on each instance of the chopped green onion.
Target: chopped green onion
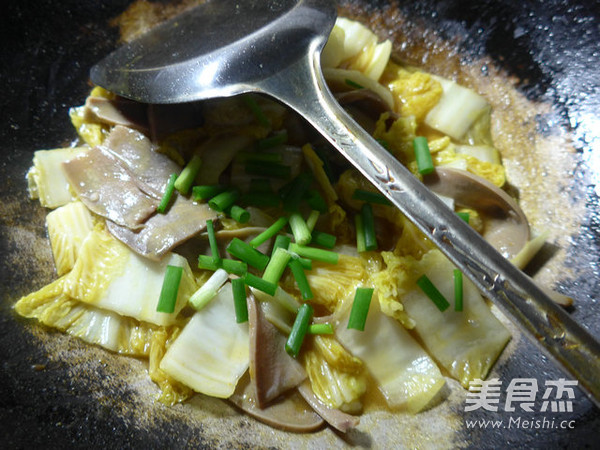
{"x": 316, "y": 254}
{"x": 262, "y": 199}
{"x": 268, "y": 169}
{"x": 276, "y": 266}
{"x": 423, "y": 155}
{"x": 247, "y": 254}
{"x": 256, "y": 110}
{"x": 464, "y": 216}
{"x": 315, "y": 200}
{"x": 371, "y": 197}
{"x": 458, "y": 290}
{"x": 384, "y": 143}
{"x": 432, "y": 293}
{"x": 323, "y": 239}
{"x": 259, "y": 283}
{"x": 305, "y": 263}
{"x": 240, "y": 302}
{"x": 212, "y": 240}
{"x": 208, "y": 290}
{"x": 188, "y": 175}
{"x": 205, "y": 192}
{"x": 282, "y": 241}
{"x": 269, "y": 232}
{"x": 360, "y": 234}
{"x": 229, "y": 265}
{"x": 299, "y": 330}
{"x": 239, "y": 214}
{"x": 273, "y": 141}
{"x": 169, "y": 290}
{"x": 224, "y": 200}
{"x": 300, "y": 277}
{"x": 260, "y": 185}
{"x": 299, "y": 228}
{"x": 244, "y": 156}
{"x": 360, "y": 308}
{"x": 312, "y": 219}
{"x": 326, "y": 165}
{"x": 208, "y": 263}
{"x": 233, "y": 266}
{"x": 320, "y": 328}
{"x": 353, "y": 84}
{"x": 295, "y": 194}
{"x": 368, "y": 223}
{"x": 166, "y": 198}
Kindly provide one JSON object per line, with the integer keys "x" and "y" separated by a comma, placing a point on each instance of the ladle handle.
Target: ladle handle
{"x": 543, "y": 321}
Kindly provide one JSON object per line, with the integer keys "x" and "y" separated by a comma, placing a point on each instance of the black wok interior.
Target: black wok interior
{"x": 47, "y": 48}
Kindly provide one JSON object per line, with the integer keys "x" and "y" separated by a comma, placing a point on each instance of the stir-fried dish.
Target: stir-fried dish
{"x": 231, "y": 247}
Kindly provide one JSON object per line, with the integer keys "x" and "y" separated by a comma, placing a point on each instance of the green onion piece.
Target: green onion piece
{"x": 368, "y": 223}
{"x": 188, "y": 175}
{"x": 259, "y": 283}
{"x": 262, "y": 199}
{"x": 245, "y": 156}
{"x": 239, "y": 300}
{"x": 432, "y": 292}
{"x": 256, "y": 110}
{"x": 269, "y": 232}
{"x": 360, "y": 308}
{"x": 169, "y": 290}
{"x": 247, "y": 254}
{"x": 384, "y": 143}
{"x": 299, "y": 228}
{"x": 260, "y": 185}
{"x": 300, "y": 277}
{"x": 212, "y": 240}
{"x": 316, "y": 254}
{"x": 299, "y": 330}
{"x": 208, "y": 290}
{"x": 458, "y": 290}
{"x": 321, "y": 153}
{"x": 273, "y": 141}
{"x": 315, "y": 200}
{"x": 360, "y": 234}
{"x": 239, "y": 214}
{"x": 323, "y": 239}
{"x": 205, "y": 192}
{"x": 320, "y": 328}
{"x": 295, "y": 194}
{"x": 268, "y": 169}
{"x": 281, "y": 241}
{"x": 423, "y": 155}
{"x": 276, "y": 266}
{"x": 224, "y": 200}
{"x": 464, "y": 216}
{"x": 371, "y": 197}
{"x": 353, "y": 84}
{"x": 233, "y": 266}
{"x": 208, "y": 263}
{"x": 305, "y": 263}
{"x": 166, "y": 198}
{"x": 312, "y": 219}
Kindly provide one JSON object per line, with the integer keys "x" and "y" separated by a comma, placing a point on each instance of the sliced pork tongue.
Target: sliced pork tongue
{"x": 273, "y": 371}
{"x": 123, "y": 181}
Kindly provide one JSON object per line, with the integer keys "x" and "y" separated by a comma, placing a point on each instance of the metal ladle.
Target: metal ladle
{"x": 227, "y": 47}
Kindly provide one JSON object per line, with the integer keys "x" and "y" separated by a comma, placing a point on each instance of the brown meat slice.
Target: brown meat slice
{"x": 334, "y": 417}
{"x": 161, "y": 232}
{"x": 108, "y": 188}
{"x": 273, "y": 371}
{"x": 136, "y": 151}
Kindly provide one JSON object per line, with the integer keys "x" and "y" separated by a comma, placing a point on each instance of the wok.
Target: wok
{"x": 538, "y": 60}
